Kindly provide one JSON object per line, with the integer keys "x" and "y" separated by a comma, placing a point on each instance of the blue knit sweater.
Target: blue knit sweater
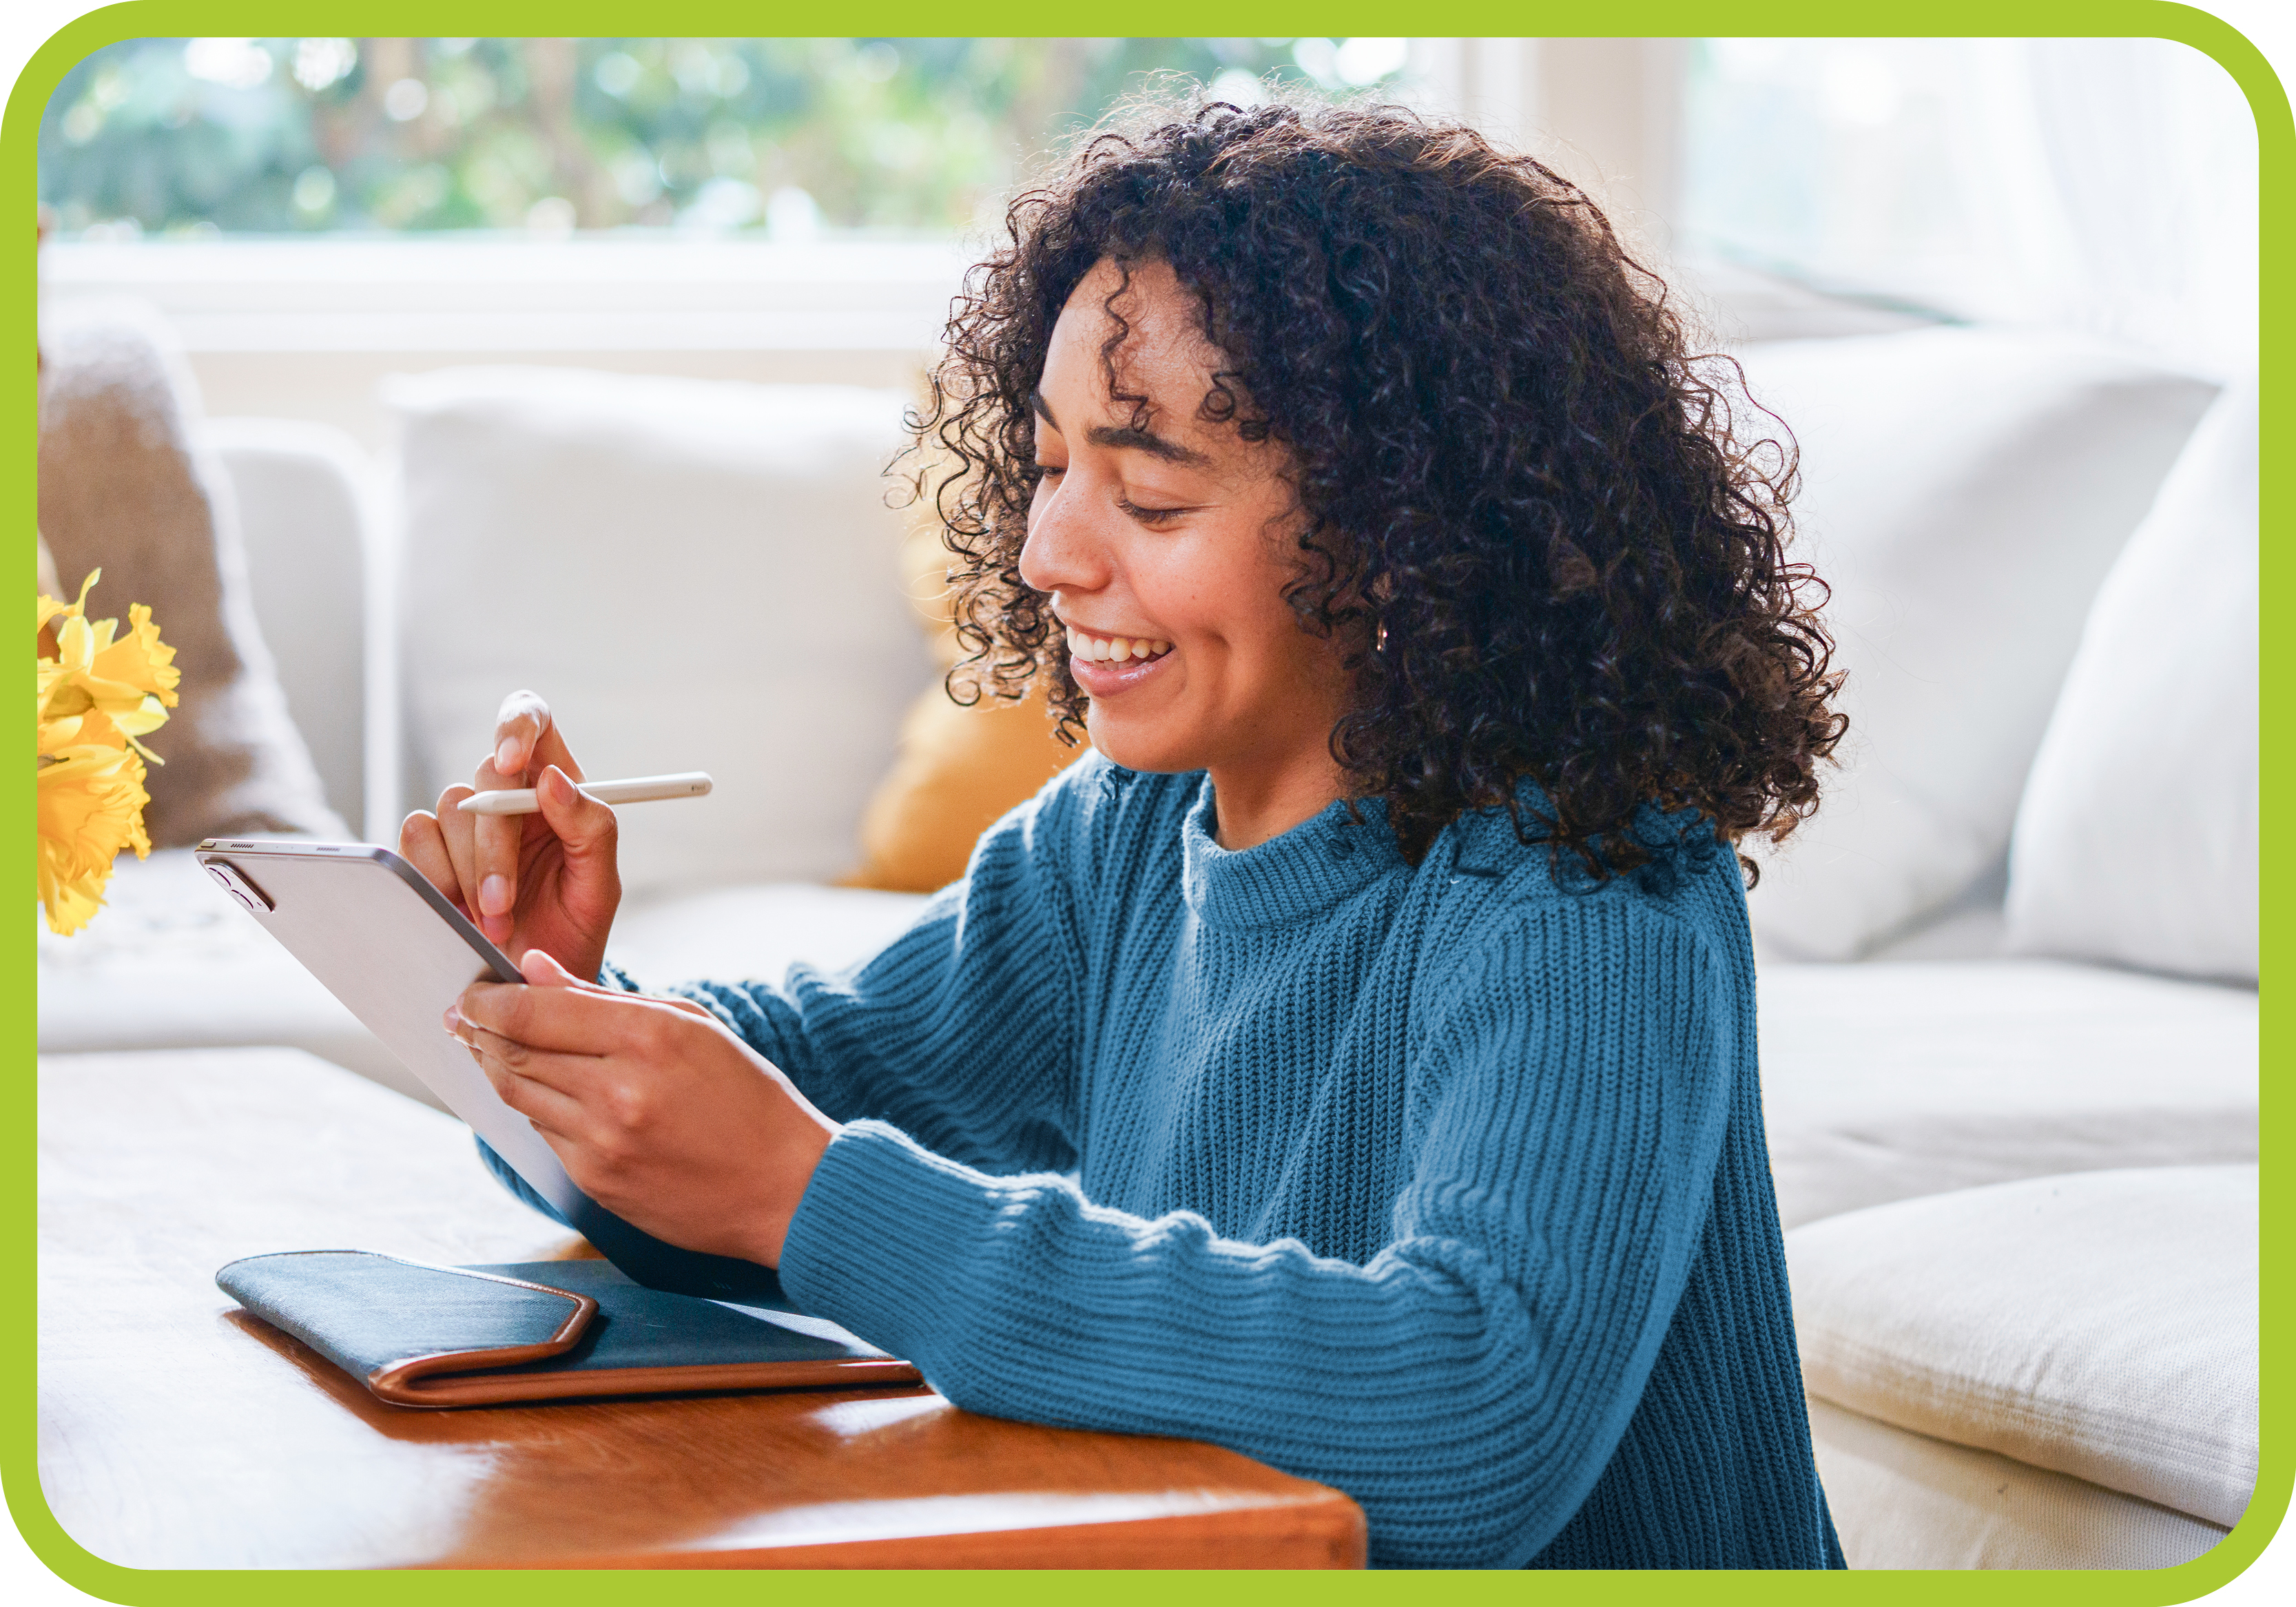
{"x": 1444, "y": 1185}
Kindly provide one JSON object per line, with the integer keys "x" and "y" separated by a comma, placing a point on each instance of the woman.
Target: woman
{"x": 1384, "y": 977}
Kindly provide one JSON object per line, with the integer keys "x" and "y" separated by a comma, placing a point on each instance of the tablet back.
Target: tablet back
{"x": 397, "y": 952}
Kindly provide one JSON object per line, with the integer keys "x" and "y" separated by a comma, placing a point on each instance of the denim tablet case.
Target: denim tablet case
{"x": 423, "y": 1335}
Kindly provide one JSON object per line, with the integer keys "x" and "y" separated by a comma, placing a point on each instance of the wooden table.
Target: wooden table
{"x": 176, "y": 1432}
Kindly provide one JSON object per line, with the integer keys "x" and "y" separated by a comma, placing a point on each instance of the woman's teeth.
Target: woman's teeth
{"x": 1115, "y": 650}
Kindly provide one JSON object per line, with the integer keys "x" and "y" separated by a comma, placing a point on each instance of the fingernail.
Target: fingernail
{"x": 555, "y": 780}
{"x": 505, "y": 754}
{"x": 454, "y": 1019}
{"x": 494, "y": 894}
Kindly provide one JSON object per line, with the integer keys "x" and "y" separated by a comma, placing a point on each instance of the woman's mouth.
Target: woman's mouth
{"x": 1103, "y": 664}
{"x": 1113, "y": 650}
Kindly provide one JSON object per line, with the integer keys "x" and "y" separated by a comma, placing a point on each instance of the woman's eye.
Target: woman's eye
{"x": 1149, "y": 516}
{"x": 1047, "y": 470}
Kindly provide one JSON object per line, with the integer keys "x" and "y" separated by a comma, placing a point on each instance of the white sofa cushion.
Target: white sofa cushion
{"x": 2102, "y": 1324}
{"x": 1882, "y": 1081}
{"x": 756, "y": 933}
{"x": 698, "y": 576}
{"x": 303, "y": 493}
{"x": 1905, "y": 1500}
{"x": 2136, "y": 839}
{"x": 1963, "y": 492}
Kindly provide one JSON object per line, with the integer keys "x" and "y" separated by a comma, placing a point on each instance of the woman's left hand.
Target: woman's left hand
{"x": 657, "y": 1112}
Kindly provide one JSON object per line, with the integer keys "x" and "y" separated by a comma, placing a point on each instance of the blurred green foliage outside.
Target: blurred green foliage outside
{"x": 791, "y": 136}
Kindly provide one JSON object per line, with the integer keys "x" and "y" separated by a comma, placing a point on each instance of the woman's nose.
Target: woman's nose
{"x": 1062, "y": 552}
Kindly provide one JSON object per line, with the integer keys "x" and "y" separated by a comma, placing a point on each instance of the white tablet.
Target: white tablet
{"x": 390, "y": 946}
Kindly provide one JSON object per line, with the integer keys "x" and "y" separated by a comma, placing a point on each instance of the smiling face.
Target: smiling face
{"x": 1165, "y": 542}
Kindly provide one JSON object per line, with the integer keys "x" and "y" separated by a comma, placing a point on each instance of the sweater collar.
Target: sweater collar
{"x": 1291, "y": 877}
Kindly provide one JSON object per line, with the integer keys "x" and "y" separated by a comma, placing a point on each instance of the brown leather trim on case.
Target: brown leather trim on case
{"x": 457, "y": 1390}
{"x": 394, "y": 1383}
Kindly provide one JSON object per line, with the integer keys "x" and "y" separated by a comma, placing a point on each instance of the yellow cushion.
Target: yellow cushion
{"x": 956, "y": 769}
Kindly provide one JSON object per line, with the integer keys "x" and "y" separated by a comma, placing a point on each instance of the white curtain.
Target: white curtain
{"x": 2105, "y": 184}
{"x": 2152, "y": 151}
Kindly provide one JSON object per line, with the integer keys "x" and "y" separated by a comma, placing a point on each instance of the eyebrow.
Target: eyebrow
{"x": 1130, "y": 437}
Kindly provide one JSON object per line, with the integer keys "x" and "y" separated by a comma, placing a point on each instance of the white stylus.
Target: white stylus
{"x": 638, "y": 789}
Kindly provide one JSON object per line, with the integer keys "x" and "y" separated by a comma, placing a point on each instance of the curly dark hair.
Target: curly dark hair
{"x": 1527, "y": 517}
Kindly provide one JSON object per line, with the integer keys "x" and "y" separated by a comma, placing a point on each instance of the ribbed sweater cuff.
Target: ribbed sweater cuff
{"x": 874, "y": 1244}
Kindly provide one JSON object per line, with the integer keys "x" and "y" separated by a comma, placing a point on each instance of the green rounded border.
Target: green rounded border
{"x": 1656, "y": 18}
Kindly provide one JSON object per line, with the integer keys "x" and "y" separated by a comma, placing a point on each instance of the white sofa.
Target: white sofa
{"x": 1968, "y": 493}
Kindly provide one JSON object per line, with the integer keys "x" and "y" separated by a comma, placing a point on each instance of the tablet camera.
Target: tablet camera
{"x": 228, "y": 878}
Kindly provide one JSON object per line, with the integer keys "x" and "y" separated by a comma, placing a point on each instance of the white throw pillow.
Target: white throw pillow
{"x": 2137, "y": 841}
{"x": 1963, "y": 492}
{"x": 126, "y": 486}
{"x": 2102, "y": 1324}
{"x": 698, "y": 576}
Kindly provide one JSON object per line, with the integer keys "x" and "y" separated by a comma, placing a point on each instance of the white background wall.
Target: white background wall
{"x": 1605, "y": 88}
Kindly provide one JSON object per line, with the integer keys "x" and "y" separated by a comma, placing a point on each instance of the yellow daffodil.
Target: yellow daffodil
{"x": 96, "y": 695}
{"x": 98, "y": 690}
{"x": 91, "y": 805}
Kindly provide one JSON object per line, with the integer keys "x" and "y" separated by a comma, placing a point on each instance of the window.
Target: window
{"x": 790, "y": 138}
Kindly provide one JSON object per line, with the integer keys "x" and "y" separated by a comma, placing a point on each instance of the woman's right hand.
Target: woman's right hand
{"x": 544, "y": 881}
